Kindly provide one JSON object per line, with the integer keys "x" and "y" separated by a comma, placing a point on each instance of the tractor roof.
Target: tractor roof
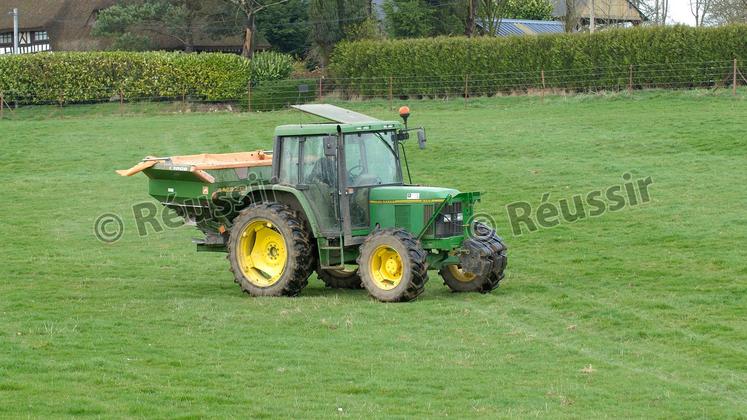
{"x": 348, "y": 122}
{"x": 335, "y": 113}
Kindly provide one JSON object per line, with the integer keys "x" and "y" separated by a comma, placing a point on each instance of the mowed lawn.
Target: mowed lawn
{"x": 638, "y": 312}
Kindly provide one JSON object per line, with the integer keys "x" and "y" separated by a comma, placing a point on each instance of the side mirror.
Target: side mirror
{"x": 421, "y": 138}
{"x": 330, "y": 146}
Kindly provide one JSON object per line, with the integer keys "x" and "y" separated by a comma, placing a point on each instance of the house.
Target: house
{"x": 65, "y": 25}
{"x": 49, "y": 25}
{"x": 30, "y": 40}
{"x": 606, "y": 12}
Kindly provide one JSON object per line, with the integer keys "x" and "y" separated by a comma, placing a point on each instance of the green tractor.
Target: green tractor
{"x": 332, "y": 198}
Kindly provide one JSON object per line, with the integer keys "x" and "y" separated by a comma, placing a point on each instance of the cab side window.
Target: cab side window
{"x": 317, "y": 168}
{"x": 289, "y": 161}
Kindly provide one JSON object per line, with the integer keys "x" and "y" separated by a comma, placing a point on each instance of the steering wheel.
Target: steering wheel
{"x": 351, "y": 175}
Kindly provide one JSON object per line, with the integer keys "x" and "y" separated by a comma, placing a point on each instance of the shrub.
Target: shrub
{"x": 683, "y": 56}
{"x": 271, "y": 66}
{"x": 94, "y": 76}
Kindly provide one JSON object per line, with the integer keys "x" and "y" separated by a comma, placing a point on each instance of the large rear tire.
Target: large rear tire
{"x": 269, "y": 249}
{"x": 493, "y": 250}
{"x": 392, "y": 265}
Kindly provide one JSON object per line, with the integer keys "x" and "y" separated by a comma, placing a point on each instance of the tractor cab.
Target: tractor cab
{"x": 337, "y": 165}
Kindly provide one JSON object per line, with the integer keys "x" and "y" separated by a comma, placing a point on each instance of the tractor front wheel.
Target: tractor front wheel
{"x": 490, "y": 248}
{"x": 392, "y": 265}
{"x": 269, "y": 249}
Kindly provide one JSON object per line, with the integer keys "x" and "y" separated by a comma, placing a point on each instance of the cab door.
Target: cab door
{"x": 307, "y": 165}
{"x": 368, "y": 160}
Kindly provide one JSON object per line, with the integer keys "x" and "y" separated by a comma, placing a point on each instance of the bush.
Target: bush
{"x": 94, "y": 76}
{"x": 271, "y": 66}
{"x": 683, "y": 55}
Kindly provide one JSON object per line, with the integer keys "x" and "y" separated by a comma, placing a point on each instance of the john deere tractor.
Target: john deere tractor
{"x": 336, "y": 198}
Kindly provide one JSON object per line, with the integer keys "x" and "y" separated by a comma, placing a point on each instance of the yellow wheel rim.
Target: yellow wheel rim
{"x": 460, "y": 274}
{"x": 262, "y": 253}
{"x": 386, "y": 267}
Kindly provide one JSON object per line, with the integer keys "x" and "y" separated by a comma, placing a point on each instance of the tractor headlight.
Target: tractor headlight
{"x": 460, "y": 217}
{"x": 447, "y": 218}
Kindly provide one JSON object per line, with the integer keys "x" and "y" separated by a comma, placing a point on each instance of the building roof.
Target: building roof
{"x": 69, "y": 24}
{"x": 529, "y": 27}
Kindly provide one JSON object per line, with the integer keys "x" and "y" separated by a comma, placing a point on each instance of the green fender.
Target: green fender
{"x": 268, "y": 193}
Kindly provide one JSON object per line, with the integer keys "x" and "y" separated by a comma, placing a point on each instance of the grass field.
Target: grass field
{"x": 636, "y": 313}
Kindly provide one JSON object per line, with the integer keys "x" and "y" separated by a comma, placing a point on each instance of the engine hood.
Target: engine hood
{"x": 409, "y": 194}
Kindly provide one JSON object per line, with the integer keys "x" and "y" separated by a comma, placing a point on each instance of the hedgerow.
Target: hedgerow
{"x": 69, "y": 77}
{"x": 677, "y": 55}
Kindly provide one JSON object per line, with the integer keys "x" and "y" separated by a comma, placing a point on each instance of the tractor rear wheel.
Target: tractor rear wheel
{"x": 340, "y": 279}
{"x": 269, "y": 249}
{"x": 392, "y": 265}
{"x": 493, "y": 250}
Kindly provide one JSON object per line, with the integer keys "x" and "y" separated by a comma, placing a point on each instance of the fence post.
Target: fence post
{"x": 2, "y": 104}
{"x": 390, "y": 93}
{"x": 630, "y": 79}
{"x": 121, "y": 101}
{"x": 249, "y": 96}
{"x": 321, "y": 88}
{"x": 466, "y": 88}
{"x": 542, "y": 73}
{"x": 734, "y": 79}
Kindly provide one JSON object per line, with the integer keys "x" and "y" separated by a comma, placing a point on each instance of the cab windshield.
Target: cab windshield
{"x": 372, "y": 159}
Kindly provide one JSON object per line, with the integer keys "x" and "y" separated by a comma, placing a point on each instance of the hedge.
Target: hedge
{"x": 70, "y": 77}
{"x": 677, "y": 56}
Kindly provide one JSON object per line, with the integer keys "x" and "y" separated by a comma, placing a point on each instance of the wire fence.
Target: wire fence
{"x": 271, "y": 95}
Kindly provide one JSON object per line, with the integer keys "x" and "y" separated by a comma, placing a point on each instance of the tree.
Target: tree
{"x": 334, "y": 20}
{"x": 472, "y": 6}
{"x": 447, "y": 17}
{"x": 249, "y": 10}
{"x": 699, "y": 10}
{"x": 128, "y": 23}
{"x": 325, "y": 29}
{"x": 572, "y": 17}
{"x": 368, "y": 29}
{"x": 490, "y": 13}
{"x": 528, "y": 9}
{"x": 656, "y": 10}
{"x": 727, "y": 11}
{"x": 408, "y": 18}
{"x": 286, "y": 28}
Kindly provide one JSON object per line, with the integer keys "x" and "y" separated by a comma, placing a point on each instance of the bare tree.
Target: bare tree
{"x": 572, "y": 17}
{"x": 727, "y": 11}
{"x": 469, "y": 29}
{"x": 250, "y": 8}
{"x": 490, "y": 13}
{"x": 656, "y": 10}
{"x": 700, "y": 9}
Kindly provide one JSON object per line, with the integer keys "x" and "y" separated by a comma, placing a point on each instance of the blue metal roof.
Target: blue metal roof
{"x": 510, "y": 27}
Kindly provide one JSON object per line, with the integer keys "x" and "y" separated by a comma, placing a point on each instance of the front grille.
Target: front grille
{"x": 447, "y": 222}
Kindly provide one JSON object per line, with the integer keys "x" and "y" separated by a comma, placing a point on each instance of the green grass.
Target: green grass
{"x": 653, "y": 297}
